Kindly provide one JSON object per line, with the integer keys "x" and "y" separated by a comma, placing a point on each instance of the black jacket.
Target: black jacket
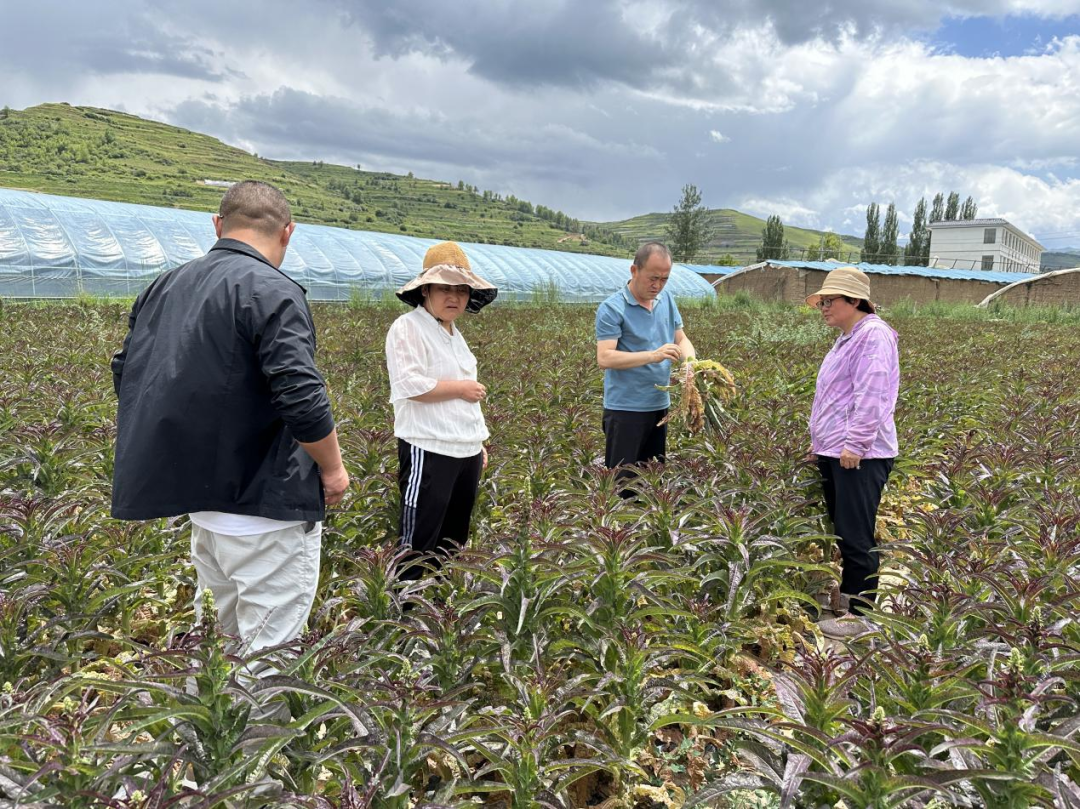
{"x": 217, "y": 383}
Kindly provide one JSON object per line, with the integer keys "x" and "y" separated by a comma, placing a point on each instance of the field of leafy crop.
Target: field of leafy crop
{"x": 584, "y": 650}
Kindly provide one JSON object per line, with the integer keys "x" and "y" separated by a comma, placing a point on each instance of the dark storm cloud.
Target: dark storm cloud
{"x": 71, "y": 40}
{"x": 559, "y": 43}
{"x": 799, "y": 21}
{"x": 302, "y": 124}
{"x": 644, "y": 45}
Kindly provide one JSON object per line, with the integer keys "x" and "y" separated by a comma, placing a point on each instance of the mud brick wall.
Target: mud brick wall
{"x": 792, "y": 285}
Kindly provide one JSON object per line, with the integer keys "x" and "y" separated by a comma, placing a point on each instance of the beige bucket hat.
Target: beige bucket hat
{"x": 446, "y": 263}
{"x": 849, "y": 281}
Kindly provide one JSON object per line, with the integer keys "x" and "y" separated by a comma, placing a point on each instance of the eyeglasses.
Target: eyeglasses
{"x": 825, "y": 303}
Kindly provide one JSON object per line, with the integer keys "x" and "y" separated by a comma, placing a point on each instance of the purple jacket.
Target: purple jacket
{"x": 856, "y": 393}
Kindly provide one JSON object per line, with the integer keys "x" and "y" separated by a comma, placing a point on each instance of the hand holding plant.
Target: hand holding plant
{"x": 701, "y": 388}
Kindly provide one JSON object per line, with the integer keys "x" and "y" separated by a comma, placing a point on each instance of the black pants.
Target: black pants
{"x": 437, "y": 498}
{"x": 852, "y": 497}
{"x": 633, "y": 437}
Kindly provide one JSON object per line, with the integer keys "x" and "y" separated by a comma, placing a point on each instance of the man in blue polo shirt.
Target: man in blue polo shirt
{"x": 639, "y": 334}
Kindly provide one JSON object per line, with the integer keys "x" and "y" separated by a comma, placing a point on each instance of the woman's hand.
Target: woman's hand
{"x": 849, "y": 460}
{"x": 472, "y": 391}
{"x": 483, "y": 451}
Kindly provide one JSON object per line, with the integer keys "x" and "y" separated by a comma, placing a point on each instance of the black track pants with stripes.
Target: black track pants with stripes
{"x": 437, "y": 497}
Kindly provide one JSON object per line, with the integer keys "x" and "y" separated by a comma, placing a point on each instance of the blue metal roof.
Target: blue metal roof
{"x": 710, "y": 269}
{"x": 58, "y": 247}
{"x": 927, "y": 272}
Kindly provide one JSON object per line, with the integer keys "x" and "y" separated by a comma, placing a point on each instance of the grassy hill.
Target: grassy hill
{"x": 89, "y": 152}
{"x": 1063, "y": 259}
{"x": 735, "y": 234}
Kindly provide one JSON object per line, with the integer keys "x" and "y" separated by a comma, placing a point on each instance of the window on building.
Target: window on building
{"x": 988, "y": 262}
{"x": 989, "y": 235}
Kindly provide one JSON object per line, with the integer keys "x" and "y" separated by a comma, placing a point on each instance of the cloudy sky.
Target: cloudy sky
{"x": 606, "y": 108}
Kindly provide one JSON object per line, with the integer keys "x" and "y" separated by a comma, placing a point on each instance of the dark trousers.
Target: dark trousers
{"x": 852, "y": 497}
{"x": 633, "y": 437}
{"x": 437, "y": 498}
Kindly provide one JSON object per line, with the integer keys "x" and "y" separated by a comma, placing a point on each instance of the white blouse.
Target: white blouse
{"x": 419, "y": 354}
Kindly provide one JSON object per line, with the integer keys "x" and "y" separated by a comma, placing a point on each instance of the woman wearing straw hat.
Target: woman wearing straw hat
{"x": 437, "y": 418}
{"x": 853, "y": 434}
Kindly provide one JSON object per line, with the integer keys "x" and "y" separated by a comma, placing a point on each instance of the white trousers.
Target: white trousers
{"x": 263, "y": 584}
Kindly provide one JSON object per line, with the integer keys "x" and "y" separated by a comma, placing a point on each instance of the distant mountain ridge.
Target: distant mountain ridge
{"x": 1064, "y": 258}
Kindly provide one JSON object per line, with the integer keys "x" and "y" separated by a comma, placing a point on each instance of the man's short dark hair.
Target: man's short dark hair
{"x": 647, "y": 250}
{"x": 256, "y": 205}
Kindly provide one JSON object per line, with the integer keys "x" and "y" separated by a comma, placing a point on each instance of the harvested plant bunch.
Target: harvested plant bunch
{"x": 701, "y": 388}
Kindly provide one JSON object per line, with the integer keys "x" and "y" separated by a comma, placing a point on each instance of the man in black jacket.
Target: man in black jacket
{"x": 224, "y": 417}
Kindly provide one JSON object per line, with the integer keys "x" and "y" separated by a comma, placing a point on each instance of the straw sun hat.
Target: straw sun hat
{"x": 446, "y": 263}
{"x": 844, "y": 281}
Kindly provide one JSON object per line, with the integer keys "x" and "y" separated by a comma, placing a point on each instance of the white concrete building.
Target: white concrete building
{"x": 995, "y": 245}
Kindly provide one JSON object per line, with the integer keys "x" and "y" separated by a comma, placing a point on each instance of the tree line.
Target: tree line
{"x": 879, "y": 243}
{"x": 689, "y": 231}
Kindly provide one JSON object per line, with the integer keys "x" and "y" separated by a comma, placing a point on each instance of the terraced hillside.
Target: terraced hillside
{"x": 89, "y": 152}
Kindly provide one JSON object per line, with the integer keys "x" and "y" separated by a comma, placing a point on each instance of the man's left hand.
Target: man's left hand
{"x": 849, "y": 460}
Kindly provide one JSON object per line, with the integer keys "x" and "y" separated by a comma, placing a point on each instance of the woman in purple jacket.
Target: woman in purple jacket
{"x": 853, "y": 434}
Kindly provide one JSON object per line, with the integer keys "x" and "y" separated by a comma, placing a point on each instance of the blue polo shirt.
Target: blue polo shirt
{"x": 636, "y": 328}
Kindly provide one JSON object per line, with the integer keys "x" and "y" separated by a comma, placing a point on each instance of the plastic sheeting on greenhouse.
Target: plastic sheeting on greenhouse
{"x": 902, "y": 269}
{"x": 60, "y": 247}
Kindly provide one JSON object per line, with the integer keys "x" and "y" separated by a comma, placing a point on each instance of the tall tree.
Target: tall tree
{"x": 952, "y": 207}
{"x": 688, "y": 229}
{"x": 773, "y": 244}
{"x": 890, "y": 231}
{"x": 828, "y": 247}
{"x": 918, "y": 246}
{"x": 969, "y": 210}
{"x": 834, "y": 246}
{"x": 937, "y": 213}
{"x": 872, "y": 239}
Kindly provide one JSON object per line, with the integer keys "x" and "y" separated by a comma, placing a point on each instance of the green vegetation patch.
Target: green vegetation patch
{"x": 583, "y": 650}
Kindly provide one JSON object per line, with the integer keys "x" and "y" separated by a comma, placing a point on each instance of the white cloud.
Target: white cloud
{"x": 790, "y": 211}
{"x": 911, "y": 100}
{"x": 718, "y": 137}
{"x": 1046, "y": 163}
{"x": 1032, "y": 203}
